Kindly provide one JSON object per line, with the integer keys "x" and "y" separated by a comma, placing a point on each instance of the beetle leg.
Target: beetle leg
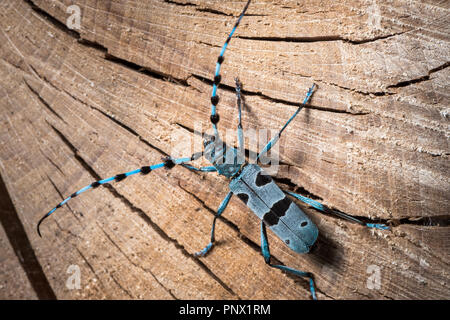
{"x": 221, "y": 209}
{"x": 275, "y": 139}
{"x": 317, "y": 205}
{"x": 266, "y": 254}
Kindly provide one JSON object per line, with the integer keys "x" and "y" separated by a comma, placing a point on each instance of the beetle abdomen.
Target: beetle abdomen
{"x": 261, "y": 194}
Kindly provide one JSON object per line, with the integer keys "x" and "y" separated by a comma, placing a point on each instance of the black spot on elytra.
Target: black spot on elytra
{"x": 262, "y": 179}
{"x": 271, "y": 218}
{"x": 243, "y": 197}
{"x": 280, "y": 207}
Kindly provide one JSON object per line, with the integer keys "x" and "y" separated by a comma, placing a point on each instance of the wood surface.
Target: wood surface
{"x": 133, "y": 84}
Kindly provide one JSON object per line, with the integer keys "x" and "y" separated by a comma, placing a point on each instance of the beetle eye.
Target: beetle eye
{"x": 303, "y": 224}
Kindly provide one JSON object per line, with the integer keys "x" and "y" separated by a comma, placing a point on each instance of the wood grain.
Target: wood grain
{"x": 133, "y": 84}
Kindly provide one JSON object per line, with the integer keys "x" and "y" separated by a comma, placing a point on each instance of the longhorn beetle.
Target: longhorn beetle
{"x": 249, "y": 183}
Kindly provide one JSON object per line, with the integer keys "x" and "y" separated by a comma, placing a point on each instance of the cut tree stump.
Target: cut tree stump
{"x": 133, "y": 85}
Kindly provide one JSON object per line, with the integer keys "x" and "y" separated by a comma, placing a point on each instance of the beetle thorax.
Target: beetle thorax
{"x": 227, "y": 160}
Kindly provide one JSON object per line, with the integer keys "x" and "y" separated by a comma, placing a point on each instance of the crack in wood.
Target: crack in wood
{"x": 145, "y": 70}
{"x": 436, "y": 221}
{"x": 278, "y": 100}
{"x": 420, "y": 79}
{"x": 58, "y": 24}
{"x": 43, "y": 101}
{"x": 52, "y": 162}
{"x": 326, "y": 38}
{"x": 95, "y": 45}
{"x": 209, "y": 10}
{"x": 128, "y": 293}
{"x": 364, "y": 93}
{"x": 182, "y": 4}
